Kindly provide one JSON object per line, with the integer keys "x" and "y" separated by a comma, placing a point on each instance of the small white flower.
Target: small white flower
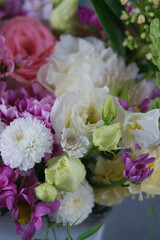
{"x": 74, "y": 206}
{"x": 73, "y": 144}
{"x": 24, "y": 143}
{"x": 155, "y": 1}
{"x": 123, "y": 2}
{"x": 149, "y": 56}
{"x": 141, "y": 19}
{"x": 124, "y": 15}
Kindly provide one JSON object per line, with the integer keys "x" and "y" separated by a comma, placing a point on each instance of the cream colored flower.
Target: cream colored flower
{"x": 149, "y": 56}
{"x": 124, "y": 15}
{"x": 141, "y": 19}
{"x": 107, "y": 172}
{"x": 156, "y": 1}
{"x": 80, "y": 111}
{"x": 123, "y": 2}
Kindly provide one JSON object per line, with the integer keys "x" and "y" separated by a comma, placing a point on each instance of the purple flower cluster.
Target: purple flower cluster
{"x": 6, "y": 64}
{"x": 87, "y": 16}
{"x": 8, "y": 188}
{"x": 137, "y": 170}
{"x": 27, "y": 210}
{"x": 19, "y": 104}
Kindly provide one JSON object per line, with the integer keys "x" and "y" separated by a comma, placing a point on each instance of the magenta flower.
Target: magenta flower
{"x": 28, "y": 210}
{"x": 144, "y": 106}
{"x": 124, "y": 104}
{"x": 6, "y": 68}
{"x": 87, "y": 16}
{"x": 19, "y": 104}
{"x": 23, "y": 61}
{"x": 6, "y": 64}
{"x": 8, "y": 188}
{"x": 137, "y": 170}
{"x": 12, "y": 8}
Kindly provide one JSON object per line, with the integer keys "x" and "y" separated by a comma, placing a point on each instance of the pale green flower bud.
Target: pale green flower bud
{"x": 62, "y": 18}
{"x": 109, "y": 110}
{"x": 65, "y": 173}
{"x": 46, "y": 192}
{"x": 56, "y": 2}
{"x": 106, "y": 138}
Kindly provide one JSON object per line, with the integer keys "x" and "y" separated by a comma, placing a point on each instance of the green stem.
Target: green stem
{"x": 69, "y": 235}
{"x": 141, "y": 5}
{"x": 56, "y": 224}
{"x": 112, "y": 185}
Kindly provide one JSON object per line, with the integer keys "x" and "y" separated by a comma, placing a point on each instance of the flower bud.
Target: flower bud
{"x": 62, "y": 18}
{"x": 106, "y": 138}
{"x": 109, "y": 110}
{"x": 65, "y": 173}
{"x": 46, "y": 192}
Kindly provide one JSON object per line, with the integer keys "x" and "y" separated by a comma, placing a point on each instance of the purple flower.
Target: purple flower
{"x": 130, "y": 8}
{"x": 137, "y": 170}
{"x": 38, "y": 8}
{"x": 6, "y": 64}
{"x": 13, "y": 8}
{"x": 87, "y": 16}
{"x": 124, "y": 104}
{"x": 28, "y": 210}
{"x": 6, "y": 68}
{"x": 23, "y": 61}
{"x": 19, "y": 104}
{"x": 8, "y": 188}
{"x": 144, "y": 106}
{"x": 2, "y": 14}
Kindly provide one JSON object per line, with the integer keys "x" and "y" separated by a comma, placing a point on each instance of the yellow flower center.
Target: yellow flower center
{"x": 136, "y": 126}
{"x": 124, "y": 1}
{"x": 24, "y": 213}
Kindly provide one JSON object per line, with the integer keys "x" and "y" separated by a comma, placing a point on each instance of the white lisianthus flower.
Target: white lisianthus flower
{"x": 80, "y": 111}
{"x": 70, "y": 68}
{"x": 73, "y": 144}
{"x": 138, "y": 128}
{"x": 74, "y": 206}
{"x": 24, "y": 143}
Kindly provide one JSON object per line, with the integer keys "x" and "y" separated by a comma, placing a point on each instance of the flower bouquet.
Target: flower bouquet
{"x": 79, "y": 109}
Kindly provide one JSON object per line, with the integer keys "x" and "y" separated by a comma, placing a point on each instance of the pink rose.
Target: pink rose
{"x": 28, "y": 36}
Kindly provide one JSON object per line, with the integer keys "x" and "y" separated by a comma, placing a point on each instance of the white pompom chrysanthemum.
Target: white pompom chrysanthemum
{"x": 76, "y": 206}
{"x": 24, "y": 143}
{"x": 73, "y": 144}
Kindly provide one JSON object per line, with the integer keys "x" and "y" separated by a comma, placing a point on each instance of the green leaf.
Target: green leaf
{"x": 115, "y": 6}
{"x": 158, "y": 79}
{"x": 154, "y": 34}
{"x": 155, "y": 104}
{"x": 111, "y": 24}
{"x": 89, "y": 232}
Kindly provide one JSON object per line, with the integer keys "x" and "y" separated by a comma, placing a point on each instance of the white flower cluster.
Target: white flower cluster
{"x": 24, "y": 143}
{"x": 76, "y": 206}
{"x": 71, "y": 69}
